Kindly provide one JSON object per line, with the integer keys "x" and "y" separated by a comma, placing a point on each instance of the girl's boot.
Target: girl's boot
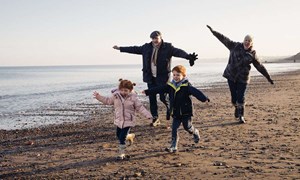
{"x": 130, "y": 138}
{"x": 122, "y": 148}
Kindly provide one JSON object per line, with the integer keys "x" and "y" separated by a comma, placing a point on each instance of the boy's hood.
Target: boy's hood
{"x": 177, "y": 84}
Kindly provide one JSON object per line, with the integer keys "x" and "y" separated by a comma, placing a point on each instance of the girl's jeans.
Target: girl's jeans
{"x": 122, "y": 133}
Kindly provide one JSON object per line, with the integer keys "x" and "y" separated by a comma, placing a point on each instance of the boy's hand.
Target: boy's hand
{"x": 96, "y": 95}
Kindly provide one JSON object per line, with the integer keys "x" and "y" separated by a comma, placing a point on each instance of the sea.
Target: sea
{"x": 33, "y": 96}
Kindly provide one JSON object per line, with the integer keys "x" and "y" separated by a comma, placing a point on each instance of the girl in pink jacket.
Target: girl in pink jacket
{"x": 125, "y": 104}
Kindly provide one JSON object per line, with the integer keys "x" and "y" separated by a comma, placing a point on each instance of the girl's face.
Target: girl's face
{"x": 177, "y": 77}
{"x": 124, "y": 92}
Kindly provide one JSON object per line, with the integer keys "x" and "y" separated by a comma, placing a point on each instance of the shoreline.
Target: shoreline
{"x": 76, "y": 112}
{"x": 267, "y": 146}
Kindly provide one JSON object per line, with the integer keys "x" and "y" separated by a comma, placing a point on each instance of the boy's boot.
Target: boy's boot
{"x": 122, "y": 148}
{"x": 174, "y": 143}
{"x": 195, "y": 132}
{"x": 196, "y": 135}
{"x": 241, "y": 113}
{"x": 130, "y": 138}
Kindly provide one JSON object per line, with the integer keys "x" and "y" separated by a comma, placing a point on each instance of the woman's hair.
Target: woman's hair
{"x": 126, "y": 84}
{"x": 181, "y": 69}
{"x": 249, "y": 37}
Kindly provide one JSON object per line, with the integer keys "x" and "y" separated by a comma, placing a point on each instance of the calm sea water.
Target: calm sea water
{"x": 33, "y": 96}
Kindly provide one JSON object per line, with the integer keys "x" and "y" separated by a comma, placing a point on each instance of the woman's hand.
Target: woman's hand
{"x": 209, "y": 27}
{"x": 270, "y": 80}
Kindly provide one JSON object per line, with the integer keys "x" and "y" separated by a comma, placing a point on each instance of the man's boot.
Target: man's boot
{"x": 155, "y": 121}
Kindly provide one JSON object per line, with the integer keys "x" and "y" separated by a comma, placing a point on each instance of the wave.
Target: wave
{"x": 62, "y": 91}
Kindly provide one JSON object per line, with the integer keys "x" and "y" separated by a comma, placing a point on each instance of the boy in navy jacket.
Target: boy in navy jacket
{"x": 181, "y": 107}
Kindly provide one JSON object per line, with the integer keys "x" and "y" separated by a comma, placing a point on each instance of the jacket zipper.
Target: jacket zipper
{"x": 123, "y": 108}
{"x": 123, "y": 115}
{"x": 176, "y": 90}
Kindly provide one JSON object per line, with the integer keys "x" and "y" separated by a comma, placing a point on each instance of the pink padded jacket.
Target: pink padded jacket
{"x": 125, "y": 108}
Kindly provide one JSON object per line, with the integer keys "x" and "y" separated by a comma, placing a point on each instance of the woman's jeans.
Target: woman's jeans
{"x": 238, "y": 91}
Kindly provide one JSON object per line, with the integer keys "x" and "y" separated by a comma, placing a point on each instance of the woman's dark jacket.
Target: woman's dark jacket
{"x": 238, "y": 67}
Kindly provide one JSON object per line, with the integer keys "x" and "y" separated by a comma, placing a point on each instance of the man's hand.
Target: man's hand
{"x": 192, "y": 58}
{"x": 116, "y": 47}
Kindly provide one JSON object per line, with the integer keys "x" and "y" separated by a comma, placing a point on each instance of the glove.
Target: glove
{"x": 270, "y": 80}
{"x": 192, "y": 58}
{"x": 209, "y": 27}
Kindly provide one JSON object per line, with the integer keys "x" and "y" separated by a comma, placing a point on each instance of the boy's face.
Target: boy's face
{"x": 177, "y": 77}
{"x": 124, "y": 91}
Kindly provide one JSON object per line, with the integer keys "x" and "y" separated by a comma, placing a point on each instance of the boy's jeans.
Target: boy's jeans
{"x": 187, "y": 125}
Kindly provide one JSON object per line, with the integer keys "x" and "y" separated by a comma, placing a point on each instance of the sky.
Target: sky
{"x": 83, "y": 32}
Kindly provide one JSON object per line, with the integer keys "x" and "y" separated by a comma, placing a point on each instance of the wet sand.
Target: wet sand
{"x": 266, "y": 147}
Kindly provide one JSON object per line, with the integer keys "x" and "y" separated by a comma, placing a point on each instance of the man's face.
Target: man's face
{"x": 157, "y": 40}
{"x": 177, "y": 77}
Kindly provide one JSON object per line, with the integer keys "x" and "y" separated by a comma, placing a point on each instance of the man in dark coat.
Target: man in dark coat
{"x": 157, "y": 57}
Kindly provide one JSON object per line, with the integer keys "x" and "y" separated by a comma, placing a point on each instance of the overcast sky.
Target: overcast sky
{"x": 82, "y": 32}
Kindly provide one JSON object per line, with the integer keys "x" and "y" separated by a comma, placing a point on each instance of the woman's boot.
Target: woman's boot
{"x": 241, "y": 113}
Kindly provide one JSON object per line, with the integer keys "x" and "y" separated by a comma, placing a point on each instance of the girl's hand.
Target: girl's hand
{"x": 96, "y": 95}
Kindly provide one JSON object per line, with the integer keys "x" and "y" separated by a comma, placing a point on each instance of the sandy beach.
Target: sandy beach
{"x": 266, "y": 147}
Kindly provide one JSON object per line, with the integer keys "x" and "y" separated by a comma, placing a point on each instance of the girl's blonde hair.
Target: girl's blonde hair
{"x": 126, "y": 84}
{"x": 181, "y": 69}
